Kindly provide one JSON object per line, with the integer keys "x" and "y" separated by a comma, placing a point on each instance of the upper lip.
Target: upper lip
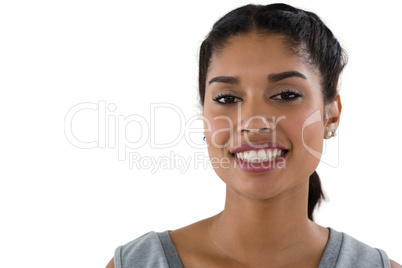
{"x": 257, "y": 146}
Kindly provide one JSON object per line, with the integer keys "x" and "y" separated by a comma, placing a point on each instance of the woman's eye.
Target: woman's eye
{"x": 226, "y": 99}
{"x": 287, "y": 96}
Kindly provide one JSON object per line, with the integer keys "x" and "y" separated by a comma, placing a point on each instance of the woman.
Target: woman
{"x": 268, "y": 80}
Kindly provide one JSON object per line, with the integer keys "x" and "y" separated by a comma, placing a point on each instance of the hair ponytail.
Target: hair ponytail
{"x": 315, "y": 194}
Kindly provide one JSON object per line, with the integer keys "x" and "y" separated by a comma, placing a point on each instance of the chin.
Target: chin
{"x": 257, "y": 187}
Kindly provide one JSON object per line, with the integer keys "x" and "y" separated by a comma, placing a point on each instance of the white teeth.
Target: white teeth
{"x": 269, "y": 154}
{"x": 261, "y": 155}
{"x": 253, "y": 156}
{"x": 246, "y": 154}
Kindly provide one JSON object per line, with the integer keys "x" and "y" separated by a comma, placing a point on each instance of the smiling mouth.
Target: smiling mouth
{"x": 262, "y": 155}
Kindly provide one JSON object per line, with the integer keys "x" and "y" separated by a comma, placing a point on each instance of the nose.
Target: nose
{"x": 264, "y": 125}
{"x": 256, "y": 117}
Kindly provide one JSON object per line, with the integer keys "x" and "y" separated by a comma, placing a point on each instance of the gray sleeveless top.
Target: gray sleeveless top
{"x": 156, "y": 250}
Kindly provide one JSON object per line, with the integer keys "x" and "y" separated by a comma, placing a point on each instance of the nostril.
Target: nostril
{"x": 265, "y": 129}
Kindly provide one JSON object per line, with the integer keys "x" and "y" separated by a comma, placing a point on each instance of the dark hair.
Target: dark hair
{"x": 304, "y": 33}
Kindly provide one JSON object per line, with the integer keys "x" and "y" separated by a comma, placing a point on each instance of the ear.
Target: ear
{"x": 332, "y": 116}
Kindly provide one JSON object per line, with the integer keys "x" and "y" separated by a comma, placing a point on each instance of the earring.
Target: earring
{"x": 331, "y": 134}
{"x": 204, "y": 138}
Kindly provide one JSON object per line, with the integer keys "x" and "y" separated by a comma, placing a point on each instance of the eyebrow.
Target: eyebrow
{"x": 224, "y": 79}
{"x": 271, "y": 78}
{"x": 280, "y": 76}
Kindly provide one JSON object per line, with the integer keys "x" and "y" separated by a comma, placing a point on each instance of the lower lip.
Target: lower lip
{"x": 260, "y": 167}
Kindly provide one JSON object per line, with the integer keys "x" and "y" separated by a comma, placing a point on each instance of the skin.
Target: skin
{"x": 265, "y": 216}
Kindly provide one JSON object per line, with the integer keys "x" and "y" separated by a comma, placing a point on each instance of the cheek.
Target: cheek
{"x": 218, "y": 136}
{"x": 220, "y": 130}
{"x": 305, "y": 130}
{"x": 313, "y": 138}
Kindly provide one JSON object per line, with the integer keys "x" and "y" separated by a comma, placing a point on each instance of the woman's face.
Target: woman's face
{"x": 268, "y": 87}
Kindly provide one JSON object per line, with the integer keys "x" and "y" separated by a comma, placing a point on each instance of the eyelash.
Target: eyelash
{"x": 284, "y": 93}
{"x": 221, "y": 96}
{"x": 288, "y": 93}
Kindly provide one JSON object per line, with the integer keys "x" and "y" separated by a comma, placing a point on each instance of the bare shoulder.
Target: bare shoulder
{"x": 395, "y": 264}
{"x": 110, "y": 264}
{"x": 185, "y": 236}
{"x": 192, "y": 231}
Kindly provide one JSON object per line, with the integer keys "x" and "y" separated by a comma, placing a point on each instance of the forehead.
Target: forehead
{"x": 255, "y": 52}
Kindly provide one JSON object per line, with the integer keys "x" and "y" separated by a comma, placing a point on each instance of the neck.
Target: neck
{"x": 277, "y": 225}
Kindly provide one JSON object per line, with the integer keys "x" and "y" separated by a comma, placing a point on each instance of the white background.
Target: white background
{"x": 62, "y": 206}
